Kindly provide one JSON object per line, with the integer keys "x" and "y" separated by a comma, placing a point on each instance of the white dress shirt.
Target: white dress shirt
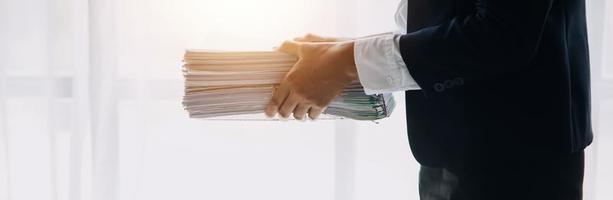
{"x": 379, "y": 63}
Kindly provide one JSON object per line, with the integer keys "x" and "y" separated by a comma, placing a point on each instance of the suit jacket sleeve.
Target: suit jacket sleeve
{"x": 500, "y": 37}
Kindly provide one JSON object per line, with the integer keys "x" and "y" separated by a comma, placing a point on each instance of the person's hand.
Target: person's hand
{"x": 310, "y": 37}
{"x": 322, "y": 71}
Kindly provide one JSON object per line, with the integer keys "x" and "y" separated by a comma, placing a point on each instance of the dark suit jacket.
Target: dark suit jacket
{"x": 498, "y": 78}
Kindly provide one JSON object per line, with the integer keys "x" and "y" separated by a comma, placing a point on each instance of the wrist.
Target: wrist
{"x": 346, "y": 57}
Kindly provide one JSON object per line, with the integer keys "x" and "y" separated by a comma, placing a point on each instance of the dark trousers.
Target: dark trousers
{"x": 543, "y": 177}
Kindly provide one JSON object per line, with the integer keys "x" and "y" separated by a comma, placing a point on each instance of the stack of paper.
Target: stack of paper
{"x": 234, "y": 83}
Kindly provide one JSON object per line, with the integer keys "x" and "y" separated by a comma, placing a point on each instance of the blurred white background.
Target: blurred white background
{"x": 90, "y": 106}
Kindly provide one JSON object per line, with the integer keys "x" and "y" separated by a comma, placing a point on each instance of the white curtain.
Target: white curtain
{"x": 90, "y": 106}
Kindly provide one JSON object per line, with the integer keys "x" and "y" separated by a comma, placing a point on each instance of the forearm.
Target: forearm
{"x": 380, "y": 66}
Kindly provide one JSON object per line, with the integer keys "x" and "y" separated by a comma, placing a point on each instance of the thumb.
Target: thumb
{"x": 314, "y": 38}
{"x": 289, "y": 47}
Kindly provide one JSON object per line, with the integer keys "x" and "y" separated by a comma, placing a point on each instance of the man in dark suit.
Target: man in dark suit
{"x": 497, "y": 92}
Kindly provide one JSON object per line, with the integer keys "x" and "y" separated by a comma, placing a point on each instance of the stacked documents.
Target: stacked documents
{"x": 235, "y": 83}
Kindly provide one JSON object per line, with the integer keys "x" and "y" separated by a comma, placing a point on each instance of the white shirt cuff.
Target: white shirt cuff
{"x": 380, "y": 66}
